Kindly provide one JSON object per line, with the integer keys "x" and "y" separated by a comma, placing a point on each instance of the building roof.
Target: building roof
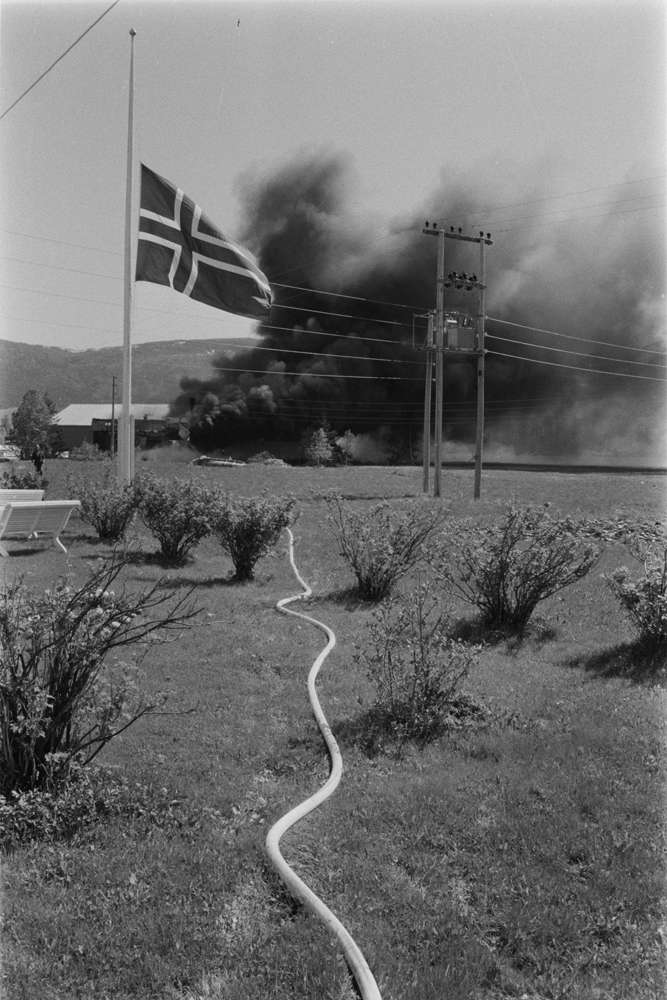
{"x": 82, "y": 414}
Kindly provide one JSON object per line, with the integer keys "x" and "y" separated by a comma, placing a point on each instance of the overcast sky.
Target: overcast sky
{"x": 412, "y": 93}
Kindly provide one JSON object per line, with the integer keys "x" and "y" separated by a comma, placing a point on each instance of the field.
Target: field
{"x": 523, "y": 856}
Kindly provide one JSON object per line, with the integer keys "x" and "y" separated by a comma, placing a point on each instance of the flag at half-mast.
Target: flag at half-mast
{"x": 178, "y": 246}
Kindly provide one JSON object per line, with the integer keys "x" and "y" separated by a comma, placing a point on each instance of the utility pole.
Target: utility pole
{"x": 113, "y": 416}
{"x": 426, "y": 447}
{"x": 479, "y": 435}
{"x": 460, "y": 281}
{"x": 439, "y": 339}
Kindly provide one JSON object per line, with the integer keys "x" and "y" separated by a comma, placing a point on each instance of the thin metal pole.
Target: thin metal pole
{"x": 480, "y": 373}
{"x": 113, "y": 415}
{"x": 439, "y": 336}
{"x": 126, "y": 451}
{"x": 426, "y": 447}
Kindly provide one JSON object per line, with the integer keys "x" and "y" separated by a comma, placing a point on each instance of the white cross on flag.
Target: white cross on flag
{"x": 180, "y": 247}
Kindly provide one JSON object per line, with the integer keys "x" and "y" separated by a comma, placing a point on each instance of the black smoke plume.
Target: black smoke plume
{"x": 351, "y": 360}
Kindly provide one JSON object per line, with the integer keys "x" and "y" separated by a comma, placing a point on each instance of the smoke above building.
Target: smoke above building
{"x": 342, "y": 345}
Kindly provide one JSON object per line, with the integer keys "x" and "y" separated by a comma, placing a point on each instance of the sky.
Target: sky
{"x": 557, "y": 102}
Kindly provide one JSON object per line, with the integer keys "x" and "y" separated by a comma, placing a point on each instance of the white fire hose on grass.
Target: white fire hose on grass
{"x": 355, "y": 960}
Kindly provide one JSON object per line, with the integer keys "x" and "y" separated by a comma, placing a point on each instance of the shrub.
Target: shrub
{"x": 106, "y": 504}
{"x": 87, "y": 452}
{"x": 175, "y": 511}
{"x": 90, "y": 794}
{"x": 51, "y": 812}
{"x": 415, "y": 666}
{"x": 380, "y": 544}
{"x": 644, "y": 599}
{"x": 61, "y": 700}
{"x": 247, "y": 527}
{"x": 506, "y": 569}
{"x": 21, "y": 480}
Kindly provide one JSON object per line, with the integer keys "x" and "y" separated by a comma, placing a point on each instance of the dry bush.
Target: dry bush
{"x": 415, "y": 665}
{"x": 382, "y": 544}
{"x": 506, "y": 569}
{"x": 63, "y": 694}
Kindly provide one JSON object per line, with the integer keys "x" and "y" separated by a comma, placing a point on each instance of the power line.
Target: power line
{"x": 342, "y": 295}
{"x": 58, "y": 60}
{"x": 80, "y": 298}
{"x": 58, "y": 267}
{"x": 350, "y": 357}
{"x": 575, "y": 368}
{"x": 581, "y": 218}
{"x": 338, "y": 336}
{"x": 567, "y": 336}
{"x": 70, "y": 326}
{"x": 579, "y": 354}
{"x": 46, "y": 239}
{"x": 584, "y": 208}
{"x": 372, "y": 378}
{"x": 381, "y": 239}
{"x": 571, "y": 194}
{"x": 323, "y": 312}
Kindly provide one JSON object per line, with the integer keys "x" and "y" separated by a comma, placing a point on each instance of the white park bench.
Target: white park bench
{"x": 20, "y": 496}
{"x": 29, "y": 520}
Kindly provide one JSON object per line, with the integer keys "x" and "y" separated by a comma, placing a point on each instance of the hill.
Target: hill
{"x": 85, "y": 376}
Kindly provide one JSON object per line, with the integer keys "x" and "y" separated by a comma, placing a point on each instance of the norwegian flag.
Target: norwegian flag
{"x": 180, "y": 247}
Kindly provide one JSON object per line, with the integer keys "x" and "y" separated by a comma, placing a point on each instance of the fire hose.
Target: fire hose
{"x": 297, "y": 887}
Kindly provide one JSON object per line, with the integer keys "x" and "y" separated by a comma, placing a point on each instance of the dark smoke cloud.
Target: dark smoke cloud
{"x": 601, "y": 279}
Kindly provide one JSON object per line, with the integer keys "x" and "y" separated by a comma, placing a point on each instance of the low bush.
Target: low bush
{"x": 52, "y": 812}
{"x": 87, "y": 452}
{"x": 175, "y": 511}
{"x": 106, "y": 504}
{"x": 22, "y": 480}
{"x": 247, "y": 527}
{"x": 382, "y": 544}
{"x": 62, "y": 696}
{"x": 506, "y": 569}
{"x": 644, "y": 599}
{"x": 416, "y": 668}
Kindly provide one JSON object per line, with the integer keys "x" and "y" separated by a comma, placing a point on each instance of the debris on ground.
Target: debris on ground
{"x": 266, "y": 458}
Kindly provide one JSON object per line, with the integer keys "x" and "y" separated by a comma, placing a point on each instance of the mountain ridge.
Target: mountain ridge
{"x": 85, "y": 376}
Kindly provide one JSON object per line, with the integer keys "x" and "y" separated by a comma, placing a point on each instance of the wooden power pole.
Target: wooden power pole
{"x": 426, "y": 447}
{"x": 467, "y": 282}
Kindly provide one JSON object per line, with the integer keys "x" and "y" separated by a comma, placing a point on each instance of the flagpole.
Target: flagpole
{"x": 126, "y": 450}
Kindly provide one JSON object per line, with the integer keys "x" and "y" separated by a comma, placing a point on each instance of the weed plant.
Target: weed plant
{"x": 87, "y": 452}
{"x": 175, "y": 511}
{"x": 61, "y": 699}
{"x": 415, "y": 666}
{"x": 106, "y": 504}
{"x": 506, "y": 569}
{"x": 248, "y": 527}
{"x": 21, "y": 479}
{"x": 644, "y": 599}
{"x": 380, "y": 544}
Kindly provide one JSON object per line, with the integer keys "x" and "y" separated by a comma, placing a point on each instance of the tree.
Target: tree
{"x": 5, "y": 427}
{"x": 31, "y": 423}
{"x": 56, "y": 442}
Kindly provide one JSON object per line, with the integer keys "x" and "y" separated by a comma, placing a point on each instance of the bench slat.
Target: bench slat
{"x": 38, "y": 517}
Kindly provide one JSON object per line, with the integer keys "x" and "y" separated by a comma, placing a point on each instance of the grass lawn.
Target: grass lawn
{"x": 521, "y": 857}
